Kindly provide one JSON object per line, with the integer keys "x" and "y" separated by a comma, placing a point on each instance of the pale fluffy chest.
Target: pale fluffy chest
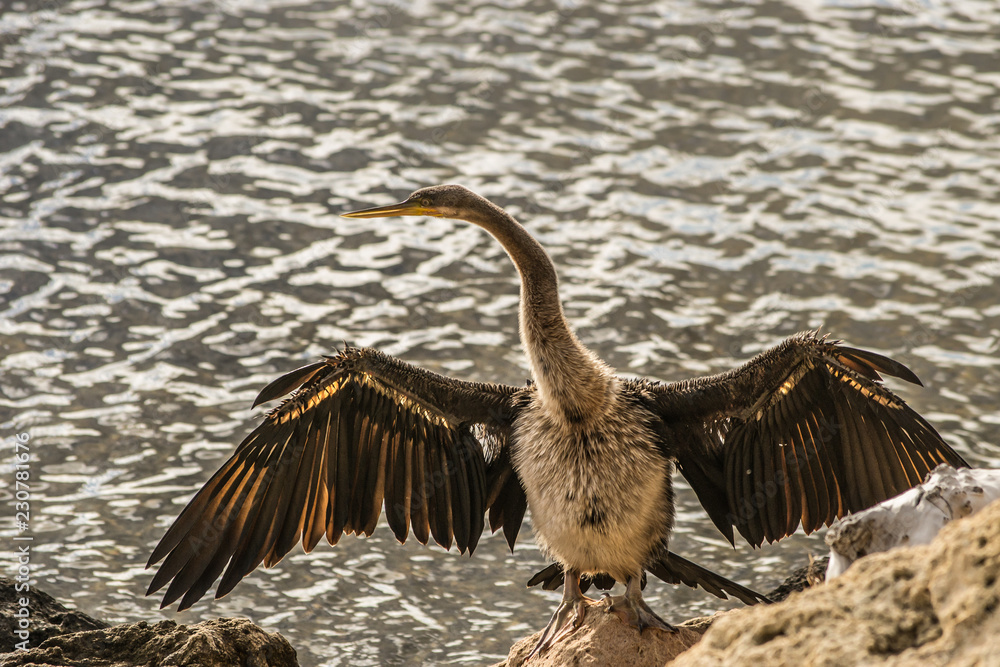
{"x": 599, "y": 492}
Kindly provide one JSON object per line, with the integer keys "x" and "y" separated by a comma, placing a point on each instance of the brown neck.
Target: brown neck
{"x": 570, "y": 378}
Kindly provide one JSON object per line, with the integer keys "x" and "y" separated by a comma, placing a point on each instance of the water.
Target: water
{"x": 709, "y": 177}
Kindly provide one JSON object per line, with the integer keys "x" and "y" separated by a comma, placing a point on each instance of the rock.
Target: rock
{"x": 224, "y": 642}
{"x": 934, "y": 604}
{"x": 48, "y": 618}
{"x": 68, "y": 638}
{"x": 701, "y": 624}
{"x": 616, "y": 639}
{"x": 913, "y": 517}
{"x": 801, "y": 579}
{"x": 605, "y": 640}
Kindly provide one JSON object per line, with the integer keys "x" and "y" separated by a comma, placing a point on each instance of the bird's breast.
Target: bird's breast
{"x": 599, "y": 491}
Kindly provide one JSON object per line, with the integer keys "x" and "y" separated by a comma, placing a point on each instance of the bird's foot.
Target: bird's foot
{"x": 635, "y": 612}
{"x": 567, "y": 618}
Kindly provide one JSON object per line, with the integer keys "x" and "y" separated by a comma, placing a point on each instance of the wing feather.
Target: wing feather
{"x": 754, "y": 485}
{"x": 314, "y": 517}
{"x": 338, "y": 518}
{"x": 290, "y": 527}
{"x": 791, "y": 485}
{"x": 862, "y": 493}
{"x": 460, "y": 498}
{"x": 817, "y": 467}
{"x": 397, "y": 505}
{"x": 775, "y": 514}
{"x": 437, "y": 497}
{"x": 419, "y": 515}
{"x": 362, "y": 465}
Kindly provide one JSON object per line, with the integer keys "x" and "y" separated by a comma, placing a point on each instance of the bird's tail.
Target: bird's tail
{"x": 671, "y": 568}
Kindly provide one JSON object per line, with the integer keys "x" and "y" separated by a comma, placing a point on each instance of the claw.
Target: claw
{"x": 633, "y": 610}
{"x": 567, "y": 617}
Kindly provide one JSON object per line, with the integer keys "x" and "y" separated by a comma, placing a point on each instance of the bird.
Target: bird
{"x": 801, "y": 434}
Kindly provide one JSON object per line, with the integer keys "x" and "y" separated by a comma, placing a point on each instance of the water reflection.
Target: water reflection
{"x": 708, "y": 176}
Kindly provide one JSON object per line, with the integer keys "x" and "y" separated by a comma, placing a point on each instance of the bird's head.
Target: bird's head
{"x": 440, "y": 201}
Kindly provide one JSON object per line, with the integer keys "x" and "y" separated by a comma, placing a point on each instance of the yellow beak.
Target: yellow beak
{"x": 392, "y": 210}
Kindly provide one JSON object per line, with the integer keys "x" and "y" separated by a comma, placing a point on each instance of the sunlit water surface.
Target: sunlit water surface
{"x": 708, "y": 176}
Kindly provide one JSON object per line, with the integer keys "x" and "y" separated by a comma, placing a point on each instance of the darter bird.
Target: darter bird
{"x": 801, "y": 434}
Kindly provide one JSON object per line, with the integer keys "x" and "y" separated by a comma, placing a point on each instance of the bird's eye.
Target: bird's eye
{"x": 425, "y": 202}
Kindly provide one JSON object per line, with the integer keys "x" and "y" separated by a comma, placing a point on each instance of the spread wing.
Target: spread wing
{"x": 803, "y": 433}
{"x": 361, "y": 430}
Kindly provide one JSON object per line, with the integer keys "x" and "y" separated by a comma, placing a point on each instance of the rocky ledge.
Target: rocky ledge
{"x": 934, "y": 605}
{"x": 604, "y": 640}
{"x": 63, "y": 637}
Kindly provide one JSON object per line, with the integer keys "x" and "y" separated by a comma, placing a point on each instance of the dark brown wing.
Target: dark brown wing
{"x": 670, "y": 568}
{"x": 803, "y": 433}
{"x": 362, "y": 430}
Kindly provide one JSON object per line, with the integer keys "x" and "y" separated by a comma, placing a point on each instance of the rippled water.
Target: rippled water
{"x": 708, "y": 176}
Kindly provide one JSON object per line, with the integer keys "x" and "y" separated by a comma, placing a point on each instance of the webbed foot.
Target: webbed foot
{"x": 567, "y": 617}
{"x": 633, "y": 610}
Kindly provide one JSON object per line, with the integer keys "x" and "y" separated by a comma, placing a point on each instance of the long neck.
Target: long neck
{"x": 571, "y": 379}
